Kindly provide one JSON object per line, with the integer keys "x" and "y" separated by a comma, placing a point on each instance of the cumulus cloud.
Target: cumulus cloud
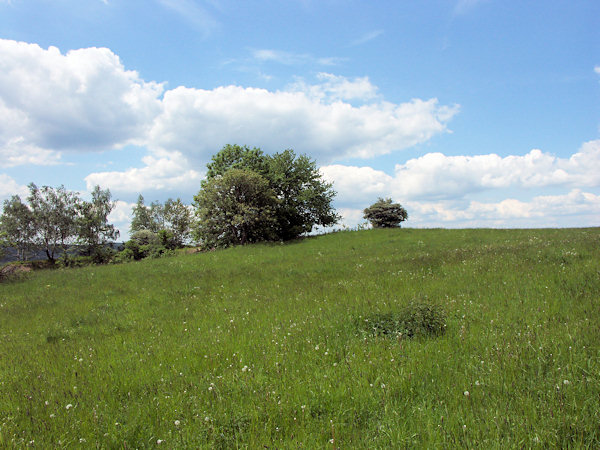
{"x": 79, "y": 101}
{"x": 437, "y": 176}
{"x": 198, "y": 122}
{"x": 9, "y": 187}
{"x": 85, "y": 100}
{"x": 573, "y": 209}
{"x": 169, "y": 173}
{"x": 334, "y": 88}
{"x": 17, "y": 152}
{"x": 120, "y": 217}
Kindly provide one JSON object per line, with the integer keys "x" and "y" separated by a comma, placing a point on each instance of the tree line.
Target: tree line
{"x": 246, "y": 197}
{"x": 54, "y": 219}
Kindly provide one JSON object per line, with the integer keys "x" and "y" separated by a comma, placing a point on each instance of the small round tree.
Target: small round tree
{"x": 385, "y": 214}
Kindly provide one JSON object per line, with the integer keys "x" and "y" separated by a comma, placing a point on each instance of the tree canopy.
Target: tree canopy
{"x": 385, "y": 214}
{"x": 94, "y": 231}
{"x": 293, "y": 197}
{"x": 54, "y": 218}
{"x": 171, "y": 219}
{"x": 235, "y": 208}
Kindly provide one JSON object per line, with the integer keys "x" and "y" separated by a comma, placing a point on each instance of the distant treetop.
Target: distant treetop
{"x": 385, "y": 214}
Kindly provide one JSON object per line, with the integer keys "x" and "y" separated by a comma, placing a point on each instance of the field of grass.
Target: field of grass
{"x": 259, "y": 347}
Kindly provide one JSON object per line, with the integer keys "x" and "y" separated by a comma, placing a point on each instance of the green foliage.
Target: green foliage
{"x": 55, "y": 218}
{"x": 142, "y": 244}
{"x": 303, "y": 197}
{"x": 17, "y": 225}
{"x": 417, "y": 319}
{"x": 385, "y": 214}
{"x": 54, "y": 212}
{"x": 146, "y": 244}
{"x": 177, "y": 223}
{"x": 237, "y": 157}
{"x": 142, "y": 217}
{"x": 174, "y": 217}
{"x": 235, "y": 208}
{"x": 94, "y": 231}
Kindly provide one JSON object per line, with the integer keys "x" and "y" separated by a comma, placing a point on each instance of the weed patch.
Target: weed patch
{"x": 417, "y": 319}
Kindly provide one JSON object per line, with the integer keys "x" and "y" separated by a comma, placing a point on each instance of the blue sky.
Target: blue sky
{"x": 471, "y": 113}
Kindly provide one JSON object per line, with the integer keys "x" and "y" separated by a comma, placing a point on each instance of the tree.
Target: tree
{"x": 385, "y": 214}
{"x": 303, "y": 197}
{"x": 54, "y": 214}
{"x": 173, "y": 219}
{"x": 237, "y": 157}
{"x": 17, "y": 226}
{"x": 235, "y": 208}
{"x": 94, "y": 231}
{"x": 177, "y": 221}
{"x": 142, "y": 218}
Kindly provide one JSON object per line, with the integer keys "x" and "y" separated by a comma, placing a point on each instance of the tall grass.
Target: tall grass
{"x": 258, "y": 346}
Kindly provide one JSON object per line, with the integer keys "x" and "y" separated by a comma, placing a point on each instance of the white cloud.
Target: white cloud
{"x": 17, "y": 152}
{"x": 336, "y": 88}
{"x": 120, "y": 217}
{"x": 52, "y": 103}
{"x": 437, "y": 176}
{"x": 9, "y": 187}
{"x": 83, "y": 100}
{"x": 597, "y": 70}
{"x": 576, "y": 208}
{"x": 199, "y": 122}
{"x": 168, "y": 173}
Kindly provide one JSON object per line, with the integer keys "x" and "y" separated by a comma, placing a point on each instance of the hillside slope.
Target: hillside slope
{"x": 259, "y": 346}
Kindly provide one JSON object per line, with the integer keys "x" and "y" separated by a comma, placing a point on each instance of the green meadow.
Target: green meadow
{"x": 264, "y": 346}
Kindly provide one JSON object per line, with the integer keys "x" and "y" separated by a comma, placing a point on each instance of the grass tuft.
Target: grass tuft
{"x": 417, "y": 319}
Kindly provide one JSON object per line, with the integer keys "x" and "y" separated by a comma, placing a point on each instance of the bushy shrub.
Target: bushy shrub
{"x": 144, "y": 244}
{"x": 385, "y": 214}
{"x": 417, "y": 319}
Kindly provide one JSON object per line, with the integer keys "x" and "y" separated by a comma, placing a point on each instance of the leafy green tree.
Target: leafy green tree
{"x": 237, "y": 157}
{"x": 177, "y": 219}
{"x": 235, "y": 208}
{"x": 54, "y": 213}
{"x": 385, "y": 214}
{"x": 173, "y": 217}
{"x": 17, "y": 225}
{"x": 142, "y": 217}
{"x": 94, "y": 231}
{"x": 303, "y": 198}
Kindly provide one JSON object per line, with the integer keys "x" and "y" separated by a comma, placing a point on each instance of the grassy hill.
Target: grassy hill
{"x": 264, "y": 346}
